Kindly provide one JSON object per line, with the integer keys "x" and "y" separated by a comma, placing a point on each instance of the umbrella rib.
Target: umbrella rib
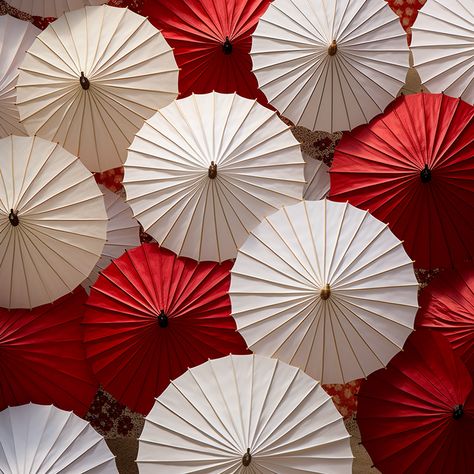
{"x": 61, "y": 59}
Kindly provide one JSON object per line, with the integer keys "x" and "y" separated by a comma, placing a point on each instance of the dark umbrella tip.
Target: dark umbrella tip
{"x": 458, "y": 412}
{"x": 85, "y": 84}
{"x": 227, "y": 46}
{"x": 162, "y": 319}
{"x": 425, "y": 175}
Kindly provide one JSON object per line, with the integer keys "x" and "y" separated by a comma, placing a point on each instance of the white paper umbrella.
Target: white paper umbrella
{"x": 90, "y": 80}
{"x": 205, "y": 170}
{"x": 329, "y": 65}
{"x": 316, "y": 174}
{"x": 52, "y": 222}
{"x": 443, "y": 47}
{"x": 51, "y": 8}
{"x": 42, "y": 439}
{"x": 123, "y": 233}
{"x": 16, "y": 37}
{"x": 326, "y": 287}
{"x": 244, "y": 414}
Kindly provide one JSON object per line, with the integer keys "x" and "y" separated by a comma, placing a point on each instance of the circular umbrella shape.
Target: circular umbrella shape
{"x": 443, "y": 47}
{"x": 92, "y": 78}
{"x": 317, "y": 179}
{"x": 52, "y": 222}
{"x": 16, "y": 38}
{"x": 413, "y": 167}
{"x": 51, "y": 8}
{"x": 42, "y": 358}
{"x": 43, "y": 439}
{"x": 123, "y": 233}
{"x": 152, "y": 315}
{"x": 417, "y": 416}
{"x": 325, "y": 287}
{"x": 203, "y": 172}
{"x": 329, "y": 66}
{"x": 244, "y": 414}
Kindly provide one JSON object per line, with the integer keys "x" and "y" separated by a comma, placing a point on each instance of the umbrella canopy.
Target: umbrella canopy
{"x": 42, "y": 439}
{"x": 443, "y": 47}
{"x": 325, "y": 287}
{"x": 16, "y": 37}
{"x": 42, "y": 359}
{"x": 151, "y": 316}
{"x": 51, "y": 8}
{"x": 413, "y": 167}
{"x": 417, "y": 416}
{"x": 123, "y": 233}
{"x": 52, "y": 222}
{"x": 211, "y": 40}
{"x": 92, "y": 78}
{"x": 203, "y": 172}
{"x": 317, "y": 179}
{"x": 332, "y": 65}
{"x": 244, "y": 414}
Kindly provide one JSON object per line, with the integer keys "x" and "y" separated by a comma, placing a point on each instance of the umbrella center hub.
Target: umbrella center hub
{"x": 458, "y": 412}
{"x": 325, "y": 292}
{"x": 227, "y": 46}
{"x": 425, "y": 174}
{"x": 85, "y": 84}
{"x": 13, "y": 218}
{"x": 332, "y": 50}
{"x": 212, "y": 172}
{"x": 247, "y": 458}
{"x": 162, "y": 319}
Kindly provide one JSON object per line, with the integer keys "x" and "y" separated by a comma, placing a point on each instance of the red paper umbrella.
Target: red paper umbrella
{"x": 42, "y": 359}
{"x": 413, "y": 167}
{"x": 417, "y": 416}
{"x": 152, "y": 315}
{"x": 447, "y": 306}
{"x": 211, "y": 41}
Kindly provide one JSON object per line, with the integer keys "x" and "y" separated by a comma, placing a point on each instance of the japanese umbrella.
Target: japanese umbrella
{"x": 443, "y": 47}
{"x": 50, "y": 8}
{"x": 417, "y": 416}
{"x": 16, "y": 37}
{"x": 152, "y": 315}
{"x": 329, "y": 65}
{"x": 203, "y": 172}
{"x": 244, "y": 413}
{"x": 91, "y": 79}
{"x": 211, "y": 40}
{"x": 413, "y": 167}
{"x": 326, "y": 287}
{"x": 52, "y": 222}
{"x": 447, "y": 306}
{"x": 123, "y": 233}
{"x": 316, "y": 174}
{"x": 43, "y": 439}
{"x": 42, "y": 358}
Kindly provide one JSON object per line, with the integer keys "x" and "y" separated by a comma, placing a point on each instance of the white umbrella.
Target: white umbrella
{"x": 244, "y": 414}
{"x": 329, "y": 65}
{"x": 123, "y": 233}
{"x": 326, "y": 287}
{"x": 51, "y": 8}
{"x": 91, "y": 79}
{"x": 443, "y": 47}
{"x": 316, "y": 174}
{"x": 16, "y": 37}
{"x": 52, "y": 222}
{"x": 205, "y": 170}
{"x": 42, "y": 439}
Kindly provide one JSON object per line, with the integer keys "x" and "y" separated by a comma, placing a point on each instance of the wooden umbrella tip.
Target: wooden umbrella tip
{"x": 325, "y": 292}
{"x": 332, "y": 50}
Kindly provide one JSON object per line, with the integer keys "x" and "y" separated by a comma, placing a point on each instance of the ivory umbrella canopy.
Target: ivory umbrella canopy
{"x": 316, "y": 174}
{"x": 242, "y": 414}
{"x": 92, "y": 78}
{"x": 326, "y": 287}
{"x": 329, "y": 65}
{"x": 50, "y": 8}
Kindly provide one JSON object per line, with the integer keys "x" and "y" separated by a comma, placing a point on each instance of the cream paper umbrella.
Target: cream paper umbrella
{"x": 244, "y": 414}
{"x": 326, "y": 287}
{"x": 316, "y": 174}
{"x": 91, "y": 79}
{"x": 51, "y": 8}
{"x": 330, "y": 65}
{"x": 42, "y": 439}
{"x": 16, "y": 37}
{"x": 205, "y": 170}
{"x": 52, "y": 222}
{"x": 443, "y": 47}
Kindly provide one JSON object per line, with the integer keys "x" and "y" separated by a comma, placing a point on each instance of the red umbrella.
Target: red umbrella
{"x": 211, "y": 41}
{"x": 42, "y": 359}
{"x": 417, "y": 416}
{"x": 152, "y": 315}
{"x": 447, "y": 306}
{"x": 413, "y": 167}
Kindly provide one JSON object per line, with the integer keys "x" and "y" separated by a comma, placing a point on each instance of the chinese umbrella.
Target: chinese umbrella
{"x": 42, "y": 358}
{"x": 417, "y": 416}
{"x": 92, "y": 78}
{"x": 152, "y": 315}
{"x": 325, "y": 287}
{"x": 329, "y": 65}
{"x": 203, "y": 172}
{"x": 43, "y": 439}
{"x": 50, "y": 8}
{"x": 316, "y": 174}
{"x": 241, "y": 414}
{"x": 52, "y": 222}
